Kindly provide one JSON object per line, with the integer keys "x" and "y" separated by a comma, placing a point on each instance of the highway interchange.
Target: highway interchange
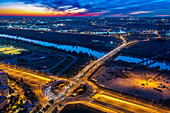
{"x": 114, "y": 103}
{"x": 82, "y": 77}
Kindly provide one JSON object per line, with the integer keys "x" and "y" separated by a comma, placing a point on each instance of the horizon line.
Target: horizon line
{"x": 84, "y": 16}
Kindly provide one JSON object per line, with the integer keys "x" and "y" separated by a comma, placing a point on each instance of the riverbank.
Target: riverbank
{"x": 151, "y": 48}
{"x": 68, "y": 48}
{"x": 160, "y": 64}
{"x": 100, "y": 43}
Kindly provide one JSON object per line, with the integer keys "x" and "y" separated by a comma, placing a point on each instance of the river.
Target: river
{"x": 163, "y": 65}
{"x": 78, "y": 49}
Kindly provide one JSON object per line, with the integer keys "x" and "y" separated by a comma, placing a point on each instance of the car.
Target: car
{"x": 62, "y": 99}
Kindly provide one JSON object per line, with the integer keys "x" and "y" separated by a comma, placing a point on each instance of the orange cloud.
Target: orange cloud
{"x": 18, "y": 12}
{"x": 43, "y": 13}
{"x": 27, "y": 12}
{"x": 30, "y": 10}
{"x": 140, "y": 12}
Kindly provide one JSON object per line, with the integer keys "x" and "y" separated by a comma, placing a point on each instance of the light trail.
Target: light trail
{"x": 21, "y": 72}
{"x": 87, "y": 68}
{"x": 125, "y": 102}
{"x": 65, "y": 91}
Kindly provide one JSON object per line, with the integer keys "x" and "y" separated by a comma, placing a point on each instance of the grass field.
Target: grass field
{"x": 10, "y": 50}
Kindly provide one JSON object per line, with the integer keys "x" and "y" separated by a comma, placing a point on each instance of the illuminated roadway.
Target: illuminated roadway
{"x": 87, "y": 68}
{"x": 85, "y": 73}
{"x": 81, "y": 78}
{"x": 25, "y": 75}
{"x": 125, "y": 105}
{"x": 115, "y": 104}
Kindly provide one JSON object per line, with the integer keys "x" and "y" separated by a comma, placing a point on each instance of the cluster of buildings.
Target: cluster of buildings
{"x": 89, "y": 25}
{"x": 4, "y": 89}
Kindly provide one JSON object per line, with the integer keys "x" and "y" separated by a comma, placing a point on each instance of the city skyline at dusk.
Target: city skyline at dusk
{"x": 84, "y": 56}
{"x": 87, "y": 8}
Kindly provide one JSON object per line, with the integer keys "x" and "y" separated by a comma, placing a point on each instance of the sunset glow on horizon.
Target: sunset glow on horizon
{"x": 30, "y": 10}
{"x": 62, "y": 8}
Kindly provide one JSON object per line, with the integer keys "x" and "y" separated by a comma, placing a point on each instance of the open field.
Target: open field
{"x": 142, "y": 83}
{"x": 10, "y": 50}
{"x": 38, "y": 60}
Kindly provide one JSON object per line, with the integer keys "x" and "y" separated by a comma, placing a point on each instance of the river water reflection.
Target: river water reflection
{"x": 129, "y": 59}
{"x": 78, "y": 49}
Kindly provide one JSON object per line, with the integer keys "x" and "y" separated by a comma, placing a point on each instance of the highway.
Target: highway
{"x": 114, "y": 104}
{"x": 25, "y": 75}
{"x": 125, "y": 105}
{"x": 85, "y": 73}
{"x": 68, "y": 88}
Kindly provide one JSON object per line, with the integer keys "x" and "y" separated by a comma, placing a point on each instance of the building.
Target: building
{"x": 3, "y": 101}
{"x": 4, "y": 90}
{"x": 3, "y": 78}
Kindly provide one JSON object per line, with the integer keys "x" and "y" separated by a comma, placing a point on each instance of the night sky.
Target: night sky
{"x": 85, "y": 8}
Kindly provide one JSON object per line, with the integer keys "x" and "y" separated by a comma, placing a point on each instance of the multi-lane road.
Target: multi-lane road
{"x": 125, "y": 105}
{"x": 82, "y": 77}
{"x": 87, "y": 71}
{"x": 120, "y": 105}
{"x": 16, "y": 73}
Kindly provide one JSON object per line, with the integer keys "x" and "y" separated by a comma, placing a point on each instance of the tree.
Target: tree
{"x": 60, "y": 105}
{"x": 18, "y": 95}
{"x": 55, "y": 110}
{"x": 38, "y": 107}
{"x": 51, "y": 102}
{"x": 21, "y": 80}
{"x": 47, "y": 106}
{"x": 19, "y": 61}
{"x": 44, "y": 109}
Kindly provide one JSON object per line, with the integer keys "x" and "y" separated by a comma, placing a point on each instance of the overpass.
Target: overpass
{"x": 82, "y": 77}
